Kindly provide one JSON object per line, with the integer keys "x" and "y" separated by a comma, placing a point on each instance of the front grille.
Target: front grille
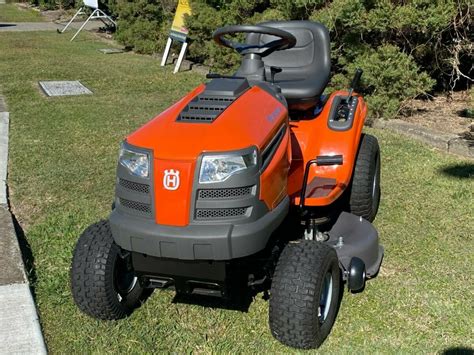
{"x": 137, "y": 206}
{"x": 135, "y": 186}
{"x": 215, "y": 194}
{"x": 220, "y": 212}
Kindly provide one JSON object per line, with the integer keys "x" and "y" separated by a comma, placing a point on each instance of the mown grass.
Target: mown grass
{"x": 13, "y": 13}
{"x": 61, "y": 176}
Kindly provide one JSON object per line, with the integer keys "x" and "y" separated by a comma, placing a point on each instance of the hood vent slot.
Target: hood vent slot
{"x": 218, "y": 96}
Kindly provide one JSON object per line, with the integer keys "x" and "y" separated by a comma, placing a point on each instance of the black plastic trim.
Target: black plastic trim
{"x": 213, "y": 101}
{"x": 336, "y": 125}
{"x": 323, "y": 160}
{"x": 131, "y": 196}
{"x": 271, "y": 148}
{"x": 196, "y": 241}
{"x": 243, "y": 178}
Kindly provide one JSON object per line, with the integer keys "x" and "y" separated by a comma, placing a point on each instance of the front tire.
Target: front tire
{"x": 304, "y": 297}
{"x": 103, "y": 283}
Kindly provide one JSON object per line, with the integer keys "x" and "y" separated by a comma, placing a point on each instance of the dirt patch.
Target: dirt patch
{"x": 60, "y": 15}
{"x": 443, "y": 114}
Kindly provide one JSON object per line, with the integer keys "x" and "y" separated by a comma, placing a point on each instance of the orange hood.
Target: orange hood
{"x": 251, "y": 120}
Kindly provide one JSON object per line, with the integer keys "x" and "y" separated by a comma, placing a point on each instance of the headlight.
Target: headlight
{"x": 137, "y": 163}
{"x": 217, "y": 168}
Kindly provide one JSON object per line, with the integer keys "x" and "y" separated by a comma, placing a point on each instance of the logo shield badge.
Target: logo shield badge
{"x": 171, "y": 179}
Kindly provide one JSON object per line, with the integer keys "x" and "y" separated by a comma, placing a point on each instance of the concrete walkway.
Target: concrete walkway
{"x": 46, "y": 26}
{"x": 20, "y": 330}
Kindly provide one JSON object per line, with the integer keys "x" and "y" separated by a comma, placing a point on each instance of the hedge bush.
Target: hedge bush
{"x": 406, "y": 48}
{"x": 142, "y": 24}
{"x": 53, "y": 4}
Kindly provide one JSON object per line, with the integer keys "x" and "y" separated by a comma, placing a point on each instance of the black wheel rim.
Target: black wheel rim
{"x": 125, "y": 279}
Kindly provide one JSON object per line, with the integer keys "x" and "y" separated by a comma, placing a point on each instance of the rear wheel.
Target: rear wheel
{"x": 103, "y": 282}
{"x": 304, "y": 297}
{"x": 364, "y": 197}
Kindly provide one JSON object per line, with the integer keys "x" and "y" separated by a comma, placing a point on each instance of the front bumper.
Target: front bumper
{"x": 195, "y": 241}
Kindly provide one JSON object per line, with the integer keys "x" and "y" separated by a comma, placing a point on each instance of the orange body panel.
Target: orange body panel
{"x": 312, "y": 138}
{"x": 252, "y": 120}
{"x": 178, "y": 202}
{"x": 244, "y": 123}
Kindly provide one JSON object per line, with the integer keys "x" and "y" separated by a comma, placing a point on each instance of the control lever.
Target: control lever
{"x": 354, "y": 83}
{"x": 273, "y": 71}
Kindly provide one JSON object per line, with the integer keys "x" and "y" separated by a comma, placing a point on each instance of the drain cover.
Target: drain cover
{"x": 64, "y": 88}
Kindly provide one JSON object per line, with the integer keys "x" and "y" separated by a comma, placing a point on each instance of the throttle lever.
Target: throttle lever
{"x": 354, "y": 83}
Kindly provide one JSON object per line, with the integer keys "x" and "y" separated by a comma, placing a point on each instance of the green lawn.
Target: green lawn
{"x": 63, "y": 153}
{"x": 13, "y": 13}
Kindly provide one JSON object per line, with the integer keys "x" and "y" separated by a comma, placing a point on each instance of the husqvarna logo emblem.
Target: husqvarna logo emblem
{"x": 171, "y": 180}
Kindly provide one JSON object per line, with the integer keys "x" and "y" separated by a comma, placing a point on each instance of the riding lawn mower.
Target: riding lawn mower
{"x": 256, "y": 181}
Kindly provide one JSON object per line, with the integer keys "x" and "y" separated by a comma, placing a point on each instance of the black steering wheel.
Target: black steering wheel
{"x": 285, "y": 39}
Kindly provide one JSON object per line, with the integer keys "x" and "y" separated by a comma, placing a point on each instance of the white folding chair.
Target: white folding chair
{"x": 96, "y": 14}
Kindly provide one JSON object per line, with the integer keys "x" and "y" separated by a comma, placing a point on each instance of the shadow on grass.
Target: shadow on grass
{"x": 458, "y": 351}
{"x": 240, "y": 301}
{"x": 464, "y": 171}
{"x": 27, "y": 255}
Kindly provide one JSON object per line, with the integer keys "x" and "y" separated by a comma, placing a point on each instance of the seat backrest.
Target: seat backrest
{"x": 309, "y": 58}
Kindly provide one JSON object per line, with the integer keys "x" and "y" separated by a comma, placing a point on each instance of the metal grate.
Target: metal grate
{"x": 135, "y": 186}
{"x": 220, "y": 212}
{"x": 137, "y": 206}
{"x": 205, "y": 108}
{"x": 214, "y": 194}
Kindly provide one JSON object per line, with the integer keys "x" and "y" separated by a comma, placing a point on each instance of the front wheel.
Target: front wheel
{"x": 304, "y": 297}
{"x": 103, "y": 283}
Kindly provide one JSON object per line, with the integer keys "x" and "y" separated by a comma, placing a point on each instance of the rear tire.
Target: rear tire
{"x": 304, "y": 297}
{"x": 103, "y": 283}
{"x": 364, "y": 197}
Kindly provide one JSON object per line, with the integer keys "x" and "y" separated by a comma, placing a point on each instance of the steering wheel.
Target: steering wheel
{"x": 285, "y": 39}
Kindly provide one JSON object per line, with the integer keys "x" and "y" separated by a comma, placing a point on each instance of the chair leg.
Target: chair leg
{"x": 83, "y": 25}
{"x": 79, "y": 12}
{"x": 181, "y": 57}
{"x": 167, "y": 51}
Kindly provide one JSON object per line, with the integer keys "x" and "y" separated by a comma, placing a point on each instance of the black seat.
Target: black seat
{"x": 306, "y": 67}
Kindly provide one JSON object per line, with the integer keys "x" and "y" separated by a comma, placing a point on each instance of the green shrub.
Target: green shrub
{"x": 143, "y": 25}
{"x": 390, "y": 77}
{"x": 405, "y": 47}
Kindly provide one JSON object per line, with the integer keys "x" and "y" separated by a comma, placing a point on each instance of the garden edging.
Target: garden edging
{"x": 449, "y": 143}
{"x": 20, "y": 330}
